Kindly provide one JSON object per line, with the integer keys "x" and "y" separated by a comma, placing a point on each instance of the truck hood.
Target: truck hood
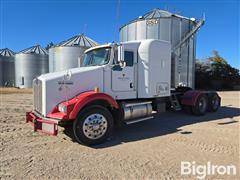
{"x": 60, "y": 86}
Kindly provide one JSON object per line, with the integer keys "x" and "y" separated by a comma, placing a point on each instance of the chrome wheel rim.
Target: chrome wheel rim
{"x": 94, "y": 126}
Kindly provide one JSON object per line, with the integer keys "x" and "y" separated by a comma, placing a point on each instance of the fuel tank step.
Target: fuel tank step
{"x": 139, "y": 120}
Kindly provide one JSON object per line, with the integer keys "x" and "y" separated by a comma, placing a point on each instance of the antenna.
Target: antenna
{"x": 117, "y": 19}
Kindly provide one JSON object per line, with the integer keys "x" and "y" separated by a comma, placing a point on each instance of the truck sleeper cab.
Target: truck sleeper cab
{"x": 116, "y": 84}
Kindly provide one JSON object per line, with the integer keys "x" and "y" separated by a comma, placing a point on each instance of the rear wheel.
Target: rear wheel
{"x": 214, "y": 103}
{"x": 93, "y": 125}
{"x": 201, "y": 105}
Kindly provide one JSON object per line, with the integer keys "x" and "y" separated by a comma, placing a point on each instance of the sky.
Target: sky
{"x": 24, "y": 23}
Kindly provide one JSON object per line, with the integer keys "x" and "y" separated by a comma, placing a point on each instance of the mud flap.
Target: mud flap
{"x": 42, "y": 125}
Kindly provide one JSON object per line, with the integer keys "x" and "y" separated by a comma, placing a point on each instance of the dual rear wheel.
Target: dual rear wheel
{"x": 206, "y": 103}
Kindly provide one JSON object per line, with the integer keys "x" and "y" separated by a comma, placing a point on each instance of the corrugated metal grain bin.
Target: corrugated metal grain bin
{"x": 163, "y": 25}
{"x": 30, "y": 63}
{"x": 1, "y": 74}
{"x": 8, "y": 67}
{"x": 65, "y": 55}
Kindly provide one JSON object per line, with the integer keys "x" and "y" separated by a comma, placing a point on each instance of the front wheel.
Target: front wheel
{"x": 93, "y": 125}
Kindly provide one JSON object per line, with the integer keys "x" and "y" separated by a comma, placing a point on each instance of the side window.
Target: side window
{"x": 128, "y": 58}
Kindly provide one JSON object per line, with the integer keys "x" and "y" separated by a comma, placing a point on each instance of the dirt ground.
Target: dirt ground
{"x": 152, "y": 149}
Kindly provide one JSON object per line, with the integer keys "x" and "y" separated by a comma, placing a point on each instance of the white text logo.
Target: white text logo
{"x": 201, "y": 171}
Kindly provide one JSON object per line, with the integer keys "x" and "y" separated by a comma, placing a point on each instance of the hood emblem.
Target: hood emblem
{"x": 65, "y": 81}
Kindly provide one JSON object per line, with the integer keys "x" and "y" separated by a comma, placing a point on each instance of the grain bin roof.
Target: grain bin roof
{"x": 79, "y": 40}
{"x": 6, "y": 52}
{"x": 37, "y": 49}
{"x": 155, "y": 13}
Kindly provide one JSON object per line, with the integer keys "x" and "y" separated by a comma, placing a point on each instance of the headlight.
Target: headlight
{"x": 62, "y": 108}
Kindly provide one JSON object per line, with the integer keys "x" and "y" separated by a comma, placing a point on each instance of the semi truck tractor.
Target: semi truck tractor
{"x": 117, "y": 84}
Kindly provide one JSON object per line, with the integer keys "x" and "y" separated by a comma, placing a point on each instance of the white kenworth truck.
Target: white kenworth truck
{"x": 116, "y": 84}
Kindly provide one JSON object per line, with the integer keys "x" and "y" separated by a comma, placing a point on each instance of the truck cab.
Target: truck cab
{"x": 115, "y": 84}
{"x": 134, "y": 69}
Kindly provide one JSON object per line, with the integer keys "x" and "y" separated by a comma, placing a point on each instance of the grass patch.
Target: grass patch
{"x": 15, "y": 91}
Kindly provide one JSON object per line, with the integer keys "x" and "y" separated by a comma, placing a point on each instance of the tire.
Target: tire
{"x": 214, "y": 103}
{"x": 93, "y": 125}
{"x": 201, "y": 105}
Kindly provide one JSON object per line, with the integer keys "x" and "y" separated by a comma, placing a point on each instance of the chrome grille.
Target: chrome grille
{"x": 37, "y": 95}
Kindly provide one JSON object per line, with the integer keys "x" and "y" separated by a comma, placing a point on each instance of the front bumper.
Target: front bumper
{"x": 41, "y": 124}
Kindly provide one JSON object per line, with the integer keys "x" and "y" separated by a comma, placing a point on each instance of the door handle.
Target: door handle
{"x": 131, "y": 85}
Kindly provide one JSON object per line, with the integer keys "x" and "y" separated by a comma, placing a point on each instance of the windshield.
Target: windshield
{"x": 96, "y": 57}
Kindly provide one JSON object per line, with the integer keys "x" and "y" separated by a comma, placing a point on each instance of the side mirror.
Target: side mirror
{"x": 121, "y": 61}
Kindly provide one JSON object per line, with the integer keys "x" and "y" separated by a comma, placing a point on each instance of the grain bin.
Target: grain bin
{"x": 8, "y": 67}
{"x": 1, "y": 74}
{"x": 30, "y": 63}
{"x": 65, "y": 55}
{"x": 163, "y": 25}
